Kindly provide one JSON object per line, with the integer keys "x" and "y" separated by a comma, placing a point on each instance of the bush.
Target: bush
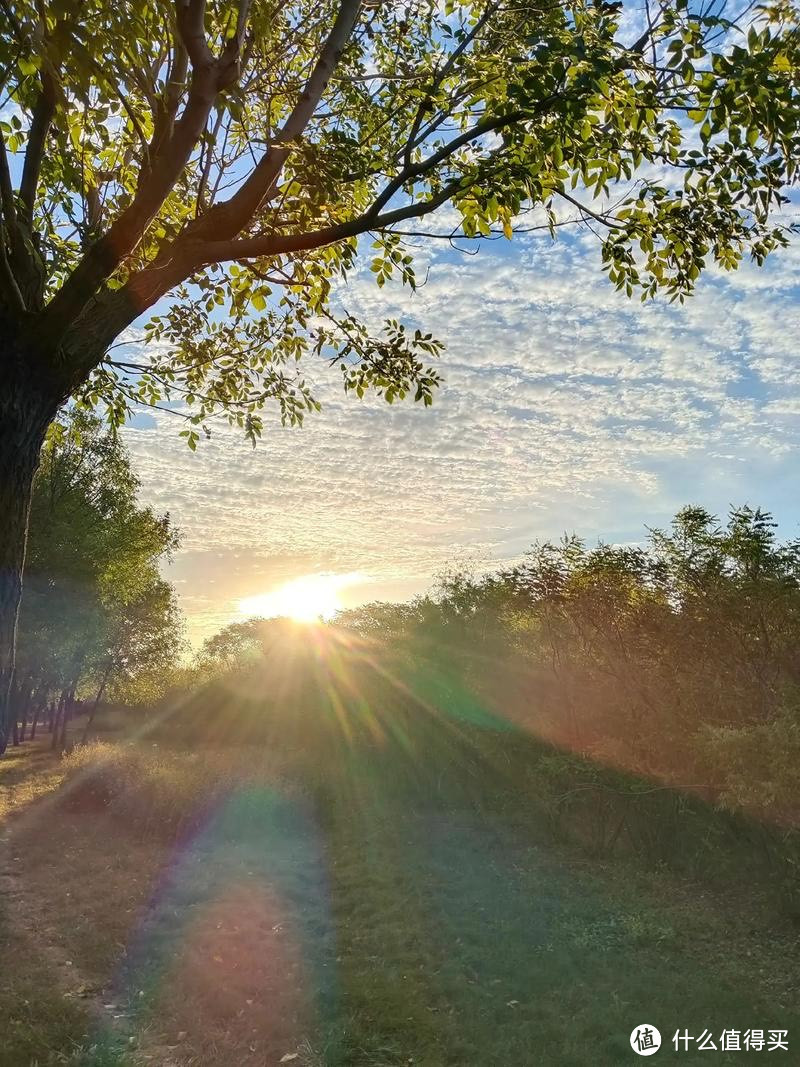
{"x": 157, "y": 790}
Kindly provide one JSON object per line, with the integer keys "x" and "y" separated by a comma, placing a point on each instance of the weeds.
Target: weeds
{"x": 159, "y": 791}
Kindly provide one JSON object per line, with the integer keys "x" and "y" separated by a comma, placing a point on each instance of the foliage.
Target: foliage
{"x": 625, "y": 691}
{"x": 96, "y": 612}
{"x": 242, "y": 643}
{"x": 228, "y": 158}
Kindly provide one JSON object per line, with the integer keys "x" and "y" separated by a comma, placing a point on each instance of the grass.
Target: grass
{"x": 28, "y": 773}
{"x": 504, "y": 952}
{"x": 44, "y": 1020}
{"x": 212, "y": 913}
{"x": 39, "y": 1025}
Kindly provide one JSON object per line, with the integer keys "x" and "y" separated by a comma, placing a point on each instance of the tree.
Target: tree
{"x": 140, "y": 640}
{"x": 242, "y": 644}
{"x": 663, "y": 658}
{"x": 218, "y": 161}
{"x": 95, "y": 611}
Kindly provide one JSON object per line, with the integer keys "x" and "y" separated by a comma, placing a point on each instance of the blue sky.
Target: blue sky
{"x": 565, "y": 407}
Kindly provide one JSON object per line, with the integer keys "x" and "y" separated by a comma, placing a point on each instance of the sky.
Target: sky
{"x": 565, "y": 407}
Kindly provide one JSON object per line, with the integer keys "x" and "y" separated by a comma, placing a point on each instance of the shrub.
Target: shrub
{"x": 157, "y": 790}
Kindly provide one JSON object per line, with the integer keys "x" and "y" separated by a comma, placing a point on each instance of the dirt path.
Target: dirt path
{"x": 169, "y": 956}
{"x": 27, "y": 914}
{"x": 33, "y": 880}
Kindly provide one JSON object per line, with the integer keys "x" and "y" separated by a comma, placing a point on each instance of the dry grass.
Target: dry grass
{"x": 89, "y": 841}
{"x": 158, "y": 791}
{"x": 44, "y": 999}
{"x": 27, "y": 774}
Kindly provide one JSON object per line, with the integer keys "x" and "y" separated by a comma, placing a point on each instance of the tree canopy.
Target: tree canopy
{"x": 220, "y": 163}
{"x": 96, "y": 615}
{"x": 221, "y": 160}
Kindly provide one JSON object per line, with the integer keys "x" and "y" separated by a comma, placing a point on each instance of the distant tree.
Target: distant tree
{"x": 244, "y": 644}
{"x": 217, "y": 162}
{"x": 140, "y": 637}
{"x": 381, "y": 621}
{"x": 738, "y": 591}
{"x": 635, "y": 655}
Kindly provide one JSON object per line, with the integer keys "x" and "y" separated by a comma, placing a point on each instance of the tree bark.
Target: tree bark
{"x": 66, "y": 716}
{"x": 27, "y": 407}
{"x": 58, "y": 719}
{"x": 93, "y": 711}
{"x": 17, "y": 467}
{"x": 27, "y": 697}
{"x": 35, "y": 720}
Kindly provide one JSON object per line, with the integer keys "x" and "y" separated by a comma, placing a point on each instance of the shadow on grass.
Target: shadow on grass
{"x": 530, "y": 960}
{"x": 383, "y": 933}
{"x": 235, "y": 948}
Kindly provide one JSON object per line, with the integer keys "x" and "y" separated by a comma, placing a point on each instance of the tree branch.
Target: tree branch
{"x": 190, "y": 16}
{"x": 231, "y": 216}
{"x": 207, "y": 164}
{"x": 209, "y": 76}
{"x": 90, "y": 335}
{"x": 34, "y": 153}
{"x": 439, "y": 78}
{"x": 257, "y": 247}
{"x": 6, "y": 187}
{"x": 112, "y": 312}
{"x": 587, "y": 212}
{"x": 416, "y": 170}
{"x": 164, "y": 117}
{"x": 12, "y": 294}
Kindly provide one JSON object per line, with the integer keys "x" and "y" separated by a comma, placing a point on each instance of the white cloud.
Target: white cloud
{"x": 564, "y": 406}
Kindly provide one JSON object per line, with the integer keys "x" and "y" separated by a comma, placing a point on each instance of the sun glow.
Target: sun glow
{"x": 307, "y": 599}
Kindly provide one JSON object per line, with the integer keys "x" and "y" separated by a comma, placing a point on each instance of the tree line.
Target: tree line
{"x": 219, "y": 165}
{"x": 645, "y": 697}
{"x": 676, "y": 659}
{"x": 97, "y": 619}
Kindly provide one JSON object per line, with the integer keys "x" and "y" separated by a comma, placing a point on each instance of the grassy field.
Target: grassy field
{"x": 207, "y": 912}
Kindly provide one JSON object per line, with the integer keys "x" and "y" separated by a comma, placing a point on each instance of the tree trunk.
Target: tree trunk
{"x": 93, "y": 711}
{"x": 14, "y": 700}
{"x": 26, "y": 410}
{"x": 25, "y": 710}
{"x": 62, "y": 739}
{"x": 37, "y": 710}
{"x": 58, "y": 718}
{"x": 66, "y": 716}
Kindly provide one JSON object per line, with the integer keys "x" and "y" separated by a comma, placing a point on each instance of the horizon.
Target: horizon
{"x": 689, "y": 404}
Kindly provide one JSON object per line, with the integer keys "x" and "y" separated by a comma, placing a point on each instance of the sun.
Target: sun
{"x": 310, "y": 598}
